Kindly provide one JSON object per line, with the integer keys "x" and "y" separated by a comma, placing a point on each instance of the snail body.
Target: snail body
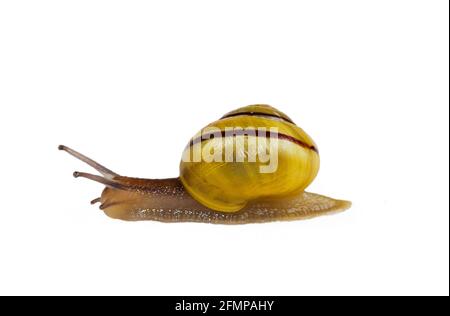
{"x": 250, "y": 166}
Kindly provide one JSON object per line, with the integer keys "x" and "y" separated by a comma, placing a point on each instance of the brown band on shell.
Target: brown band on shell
{"x": 251, "y": 132}
{"x": 258, "y": 114}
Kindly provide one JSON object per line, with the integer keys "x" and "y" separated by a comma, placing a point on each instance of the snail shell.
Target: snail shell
{"x": 229, "y": 186}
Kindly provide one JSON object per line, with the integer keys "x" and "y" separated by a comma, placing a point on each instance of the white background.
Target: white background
{"x": 129, "y": 82}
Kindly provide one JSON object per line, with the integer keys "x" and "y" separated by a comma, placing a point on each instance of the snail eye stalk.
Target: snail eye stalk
{"x": 102, "y": 169}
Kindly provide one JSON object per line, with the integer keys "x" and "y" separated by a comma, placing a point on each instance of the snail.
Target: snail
{"x": 218, "y": 181}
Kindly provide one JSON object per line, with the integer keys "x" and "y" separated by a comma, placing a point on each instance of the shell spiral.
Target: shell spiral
{"x": 253, "y": 153}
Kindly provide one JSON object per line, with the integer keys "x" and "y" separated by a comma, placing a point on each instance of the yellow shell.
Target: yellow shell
{"x": 226, "y": 184}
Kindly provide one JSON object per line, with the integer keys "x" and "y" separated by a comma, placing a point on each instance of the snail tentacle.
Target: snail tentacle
{"x": 100, "y": 179}
{"x": 96, "y": 200}
{"x": 102, "y": 169}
